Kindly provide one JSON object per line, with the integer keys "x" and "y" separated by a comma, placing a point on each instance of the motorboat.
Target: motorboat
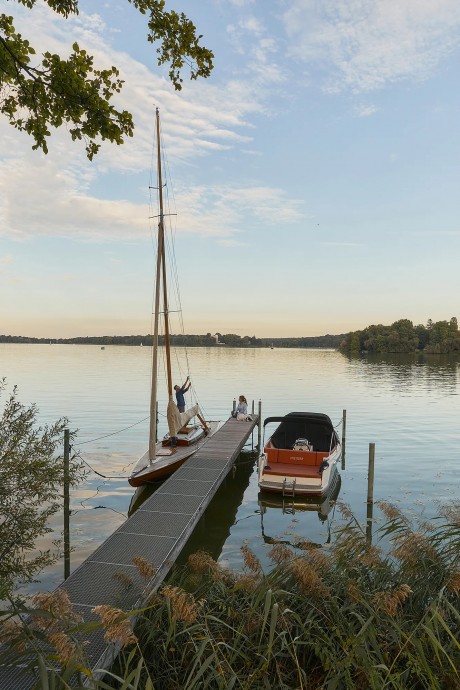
{"x": 300, "y": 457}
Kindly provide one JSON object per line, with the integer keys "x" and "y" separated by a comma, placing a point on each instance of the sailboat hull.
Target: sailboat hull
{"x": 164, "y": 466}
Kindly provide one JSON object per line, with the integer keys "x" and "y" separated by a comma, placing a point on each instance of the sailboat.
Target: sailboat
{"x": 183, "y": 440}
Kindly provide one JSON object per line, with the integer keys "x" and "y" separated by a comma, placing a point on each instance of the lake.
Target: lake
{"x": 408, "y": 405}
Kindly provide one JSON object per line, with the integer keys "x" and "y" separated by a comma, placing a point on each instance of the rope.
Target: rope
{"x": 113, "y": 433}
{"x": 84, "y": 510}
{"x": 104, "y": 476}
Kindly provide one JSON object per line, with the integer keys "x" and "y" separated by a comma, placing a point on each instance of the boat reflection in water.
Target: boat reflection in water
{"x": 324, "y": 506}
{"x": 213, "y": 528}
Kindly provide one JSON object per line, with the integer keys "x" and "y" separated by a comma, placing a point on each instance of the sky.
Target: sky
{"x": 314, "y": 175}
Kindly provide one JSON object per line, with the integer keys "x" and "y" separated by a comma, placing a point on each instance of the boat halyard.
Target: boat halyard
{"x": 164, "y": 457}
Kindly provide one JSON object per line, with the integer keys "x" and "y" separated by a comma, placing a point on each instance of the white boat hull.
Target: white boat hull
{"x": 296, "y": 484}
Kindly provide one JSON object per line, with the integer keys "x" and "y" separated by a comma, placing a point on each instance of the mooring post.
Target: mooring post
{"x": 369, "y": 520}
{"x": 370, "y": 476}
{"x": 259, "y": 434}
{"x": 66, "y": 504}
{"x": 344, "y": 430}
{"x": 252, "y": 409}
{"x": 234, "y": 405}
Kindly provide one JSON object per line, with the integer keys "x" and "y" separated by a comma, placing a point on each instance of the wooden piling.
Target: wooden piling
{"x": 370, "y": 476}
{"x": 234, "y": 405}
{"x": 66, "y": 504}
{"x": 344, "y": 429}
{"x": 369, "y": 522}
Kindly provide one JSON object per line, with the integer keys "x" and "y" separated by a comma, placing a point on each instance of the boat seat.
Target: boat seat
{"x": 311, "y": 458}
{"x": 286, "y": 470}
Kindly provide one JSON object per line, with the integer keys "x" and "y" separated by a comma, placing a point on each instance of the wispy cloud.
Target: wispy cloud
{"x": 241, "y": 3}
{"x": 59, "y": 205}
{"x": 60, "y": 197}
{"x": 250, "y": 37}
{"x": 364, "y": 45}
{"x": 229, "y": 213}
{"x": 363, "y": 110}
{"x": 232, "y": 243}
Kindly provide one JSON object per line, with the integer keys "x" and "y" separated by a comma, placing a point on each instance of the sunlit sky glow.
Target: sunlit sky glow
{"x": 315, "y": 174}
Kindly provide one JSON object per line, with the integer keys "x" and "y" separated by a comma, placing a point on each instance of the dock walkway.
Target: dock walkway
{"x": 157, "y": 532}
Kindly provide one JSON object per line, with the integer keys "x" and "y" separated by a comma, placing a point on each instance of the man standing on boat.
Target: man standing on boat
{"x": 180, "y": 390}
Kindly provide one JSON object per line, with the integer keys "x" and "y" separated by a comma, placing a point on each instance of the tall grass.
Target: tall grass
{"x": 354, "y": 616}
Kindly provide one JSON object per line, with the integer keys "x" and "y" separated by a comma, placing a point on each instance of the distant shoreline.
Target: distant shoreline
{"x": 229, "y": 340}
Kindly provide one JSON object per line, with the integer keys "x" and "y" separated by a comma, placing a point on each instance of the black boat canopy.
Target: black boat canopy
{"x": 300, "y": 417}
{"x": 315, "y": 427}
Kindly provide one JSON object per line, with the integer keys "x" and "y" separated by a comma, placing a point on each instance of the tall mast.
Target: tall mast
{"x": 160, "y": 253}
{"x": 163, "y": 256}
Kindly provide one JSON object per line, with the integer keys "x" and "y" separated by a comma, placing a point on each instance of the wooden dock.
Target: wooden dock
{"x": 157, "y": 532}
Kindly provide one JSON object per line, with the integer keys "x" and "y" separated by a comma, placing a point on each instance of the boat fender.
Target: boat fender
{"x": 323, "y": 466}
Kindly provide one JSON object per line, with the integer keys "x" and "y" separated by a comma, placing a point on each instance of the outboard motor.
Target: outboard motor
{"x": 302, "y": 444}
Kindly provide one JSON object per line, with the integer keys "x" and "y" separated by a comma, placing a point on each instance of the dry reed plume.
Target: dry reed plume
{"x": 66, "y": 648}
{"x": 389, "y": 602}
{"x": 117, "y": 624}
{"x": 453, "y": 584}
{"x": 56, "y": 603}
{"x": 248, "y": 582}
{"x": 412, "y": 547}
{"x": 391, "y": 512}
{"x": 201, "y": 562}
{"x": 184, "y": 605}
{"x": 11, "y": 632}
{"x": 353, "y": 592}
{"x": 279, "y": 553}
{"x": 452, "y": 513}
{"x": 146, "y": 570}
{"x": 309, "y": 579}
{"x": 250, "y": 559}
{"x": 371, "y": 557}
{"x": 124, "y": 579}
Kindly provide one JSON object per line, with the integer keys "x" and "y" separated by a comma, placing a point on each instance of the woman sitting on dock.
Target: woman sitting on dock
{"x": 241, "y": 409}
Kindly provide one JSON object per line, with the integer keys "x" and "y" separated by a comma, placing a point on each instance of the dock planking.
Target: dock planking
{"x": 157, "y": 532}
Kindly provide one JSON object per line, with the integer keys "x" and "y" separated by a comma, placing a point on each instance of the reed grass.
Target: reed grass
{"x": 354, "y": 616}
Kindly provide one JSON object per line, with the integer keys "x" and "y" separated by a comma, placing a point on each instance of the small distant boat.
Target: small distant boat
{"x": 300, "y": 457}
{"x": 102, "y": 347}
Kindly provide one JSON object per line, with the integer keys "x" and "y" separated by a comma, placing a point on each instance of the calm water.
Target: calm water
{"x": 408, "y": 405}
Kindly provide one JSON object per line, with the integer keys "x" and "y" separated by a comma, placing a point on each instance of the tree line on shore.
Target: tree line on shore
{"x": 440, "y": 337}
{"x": 207, "y": 340}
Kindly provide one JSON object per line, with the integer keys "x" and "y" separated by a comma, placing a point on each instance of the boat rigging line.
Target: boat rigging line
{"x": 104, "y": 476}
{"x": 99, "y": 438}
